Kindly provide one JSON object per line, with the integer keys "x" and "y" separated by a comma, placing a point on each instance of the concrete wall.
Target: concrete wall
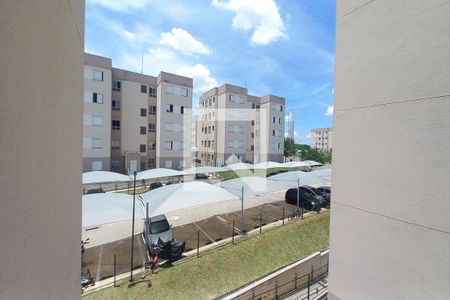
{"x": 41, "y": 87}
{"x": 390, "y": 221}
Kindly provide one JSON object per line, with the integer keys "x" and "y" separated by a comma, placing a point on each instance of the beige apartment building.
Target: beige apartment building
{"x": 139, "y": 123}
{"x": 322, "y": 138}
{"x": 233, "y": 125}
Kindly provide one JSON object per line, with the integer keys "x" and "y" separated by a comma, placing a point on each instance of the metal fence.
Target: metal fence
{"x": 215, "y": 231}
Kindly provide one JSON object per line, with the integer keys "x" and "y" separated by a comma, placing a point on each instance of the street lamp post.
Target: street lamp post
{"x": 242, "y": 210}
{"x": 132, "y": 226}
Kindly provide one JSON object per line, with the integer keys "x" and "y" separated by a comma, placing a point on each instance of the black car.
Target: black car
{"x": 200, "y": 176}
{"x": 155, "y": 185}
{"x": 310, "y": 198}
{"x": 276, "y": 172}
{"x": 95, "y": 191}
{"x": 325, "y": 190}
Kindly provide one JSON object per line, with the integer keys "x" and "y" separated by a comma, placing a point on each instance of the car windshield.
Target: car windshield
{"x": 159, "y": 226}
{"x": 312, "y": 189}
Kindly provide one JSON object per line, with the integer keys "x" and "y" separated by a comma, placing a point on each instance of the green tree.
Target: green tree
{"x": 289, "y": 147}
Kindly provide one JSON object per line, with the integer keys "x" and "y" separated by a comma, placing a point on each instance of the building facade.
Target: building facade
{"x": 390, "y": 220}
{"x": 235, "y": 126}
{"x": 322, "y": 138}
{"x": 134, "y": 121}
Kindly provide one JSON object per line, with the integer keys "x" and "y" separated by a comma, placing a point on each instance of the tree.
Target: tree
{"x": 289, "y": 147}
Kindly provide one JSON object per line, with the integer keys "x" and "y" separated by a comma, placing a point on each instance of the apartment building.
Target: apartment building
{"x": 134, "y": 121}
{"x": 233, "y": 125}
{"x": 322, "y": 138}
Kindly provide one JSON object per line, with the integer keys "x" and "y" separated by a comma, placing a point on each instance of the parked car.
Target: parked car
{"x": 325, "y": 190}
{"x": 276, "y": 172}
{"x": 200, "y": 176}
{"x": 309, "y": 198}
{"x": 95, "y": 191}
{"x": 155, "y": 185}
{"x": 159, "y": 238}
{"x": 171, "y": 182}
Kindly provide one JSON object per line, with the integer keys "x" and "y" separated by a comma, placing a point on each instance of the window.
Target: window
{"x": 151, "y": 127}
{"x": 143, "y": 112}
{"x": 279, "y": 132}
{"x": 143, "y": 88}
{"x": 115, "y": 124}
{"x": 168, "y": 145}
{"x": 97, "y": 75}
{"x": 178, "y": 91}
{"x": 253, "y": 135}
{"x": 252, "y": 147}
{"x": 253, "y": 105}
{"x": 151, "y": 162}
{"x": 181, "y": 146}
{"x": 152, "y": 91}
{"x": 230, "y": 144}
{"x": 115, "y": 105}
{"x": 152, "y": 110}
{"x": 115, "y": 163}
{"x": 142, "y": 165}
{"x": 142, "y": 148}
{"x": 182, "y": 109}
{"x": 115, "y": 144}
{"x": 169, "y": 107}
{"x": 97, "y": 165}
{"x": 236, "y": 99}
{"x": 116, "y": 85}
{"x": 97, "y": 98}
{"x": 279, "y": 120}
{"x": 279, "y": 145}
{"x": 281, "y": 107}
{"x": 97, "y": 121}
{"x": 168, "y": 164}
{"x": 97, "y": 143}
{"x": 143, "y": 130}
{"x": 152, "y": 145}
{"x": 273, "y": 106}
{"x": 273, "y": 132}
{"x": 253, "y": 122}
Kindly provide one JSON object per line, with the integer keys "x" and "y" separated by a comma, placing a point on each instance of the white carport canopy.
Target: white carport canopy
{"x": 268, "y": 165}
{"x": 312, "y": 163}
{"x": 295, "y": 164}
{"x": 253, "y": 185}
{"x": 204, "y": 169}
{"x": 103, "y": 177}
{"x": 181, "y": 196}
{"x": 239, "y": 166}
{"x": 106, "y": 208}
{"x": 158, "y": 173}
{"x": 291, "y": 178}
{"x": 324, "y": 173}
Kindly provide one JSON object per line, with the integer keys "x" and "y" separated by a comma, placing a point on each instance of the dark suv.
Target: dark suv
{"x": 310, "y": 198}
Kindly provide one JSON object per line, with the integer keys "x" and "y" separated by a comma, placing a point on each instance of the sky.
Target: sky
{"x": 284, "y": 48}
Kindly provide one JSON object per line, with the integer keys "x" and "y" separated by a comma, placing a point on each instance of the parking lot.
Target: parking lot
{"x": 99, "y": 259}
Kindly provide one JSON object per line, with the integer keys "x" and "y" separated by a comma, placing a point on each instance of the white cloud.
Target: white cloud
{"x": 120, "y": 5}
{"x": 262, "y": 16}
{"x": 181, "y": 40}
{"x": 330, "y": 110}
{"x": 203, "y": 80}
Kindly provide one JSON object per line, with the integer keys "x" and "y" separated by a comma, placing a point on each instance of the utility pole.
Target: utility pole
{"x": 132, "y": 227}
{"x": 242, "y": 210}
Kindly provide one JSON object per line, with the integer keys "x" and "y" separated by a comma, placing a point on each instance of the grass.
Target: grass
{"x": 139, "y": 190}
{"x": 227, "y": 268}
{"x": 258, "y": 172}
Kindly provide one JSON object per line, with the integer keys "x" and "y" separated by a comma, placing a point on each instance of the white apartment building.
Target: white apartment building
{"x": 322, "y": 138}
{"x": 233, "y": 125}
{"x": 143, "y": 119}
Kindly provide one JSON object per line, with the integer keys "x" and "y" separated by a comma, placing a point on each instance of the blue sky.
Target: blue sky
{"x": 284, "y": 48}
